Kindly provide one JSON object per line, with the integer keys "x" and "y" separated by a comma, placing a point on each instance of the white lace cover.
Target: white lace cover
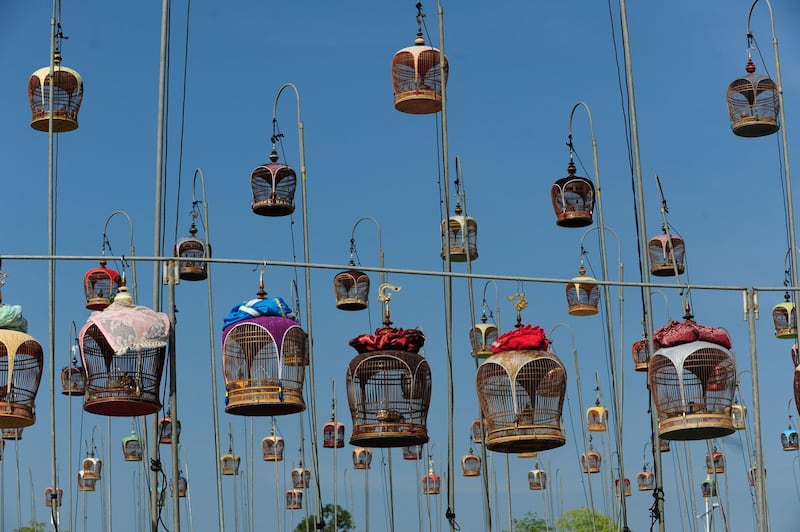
{"x": 131, "y": 327}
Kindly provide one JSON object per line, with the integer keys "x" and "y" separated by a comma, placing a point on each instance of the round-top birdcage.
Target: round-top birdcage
{"x": 21, "y": 365}
{"x": 573, "y": 199}
{"x": 67, "y": 90}
{"x": 753, "y": 104}
{"x": 666, "y": 254}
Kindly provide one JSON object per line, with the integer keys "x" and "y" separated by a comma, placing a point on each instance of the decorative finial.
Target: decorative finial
{"x": 520, "y": 304}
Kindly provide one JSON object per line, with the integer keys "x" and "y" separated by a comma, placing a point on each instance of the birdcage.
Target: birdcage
{"x": 182, "y": 486}
{"x": 272, "y": 448}
{"x": 123, "y": 349}
{"x": 645, "y": 480}
{"x": 591, "y": 461}
{"x": 583, "y": 295}
{"x": 21, "y": 363}
{"x": 431, "y": 482}
{"x": 100, "y": 286}
{"x": 784, "y": 317}
{"x": 471, "y": 464}
{"x": 188, "y": 250}
{"x": 73, "y": 379}
{"x": 52, "y": 497}
{"x": 9, "y": 433}
{"x": 753, "y": 104}
{"x": 626, "y": 487}
{"x": 692, "y": 386}
{"x": 362, "y": 458}
{"x": 790, "y": 441}
{"x": 352, "y": 290}
{"x": 597, "y": 418}
{"x": 537, "y": 479}
{"x": 229, "y": 463}
{"x": 481, "y": 337}
{"x": 67, "y": 90}
{"x": 715, "y": 462}
{"x": 294, "y": 499}
{"x": 738, "y": 416}
{"x": 84, "y": 483}
{"x": 273, "y": 185}
{"x": 169, "y": 428}
{"x": 663, "y": 446}
{"x": 521, "y": 394}
{"x": 460, "y": 235}
{"x": 709, "y": 487}
{"x": 412, "y": 452}
{"x": 301, "y": 477}
{"x": 132, "y": 448}
{"x": 641, "y": 355}
{"x": 333, "y": 434}
{"x": 666, "y": 255}
{"x": 573, "y": 199}
{"x": 389, "y": 392}
{"x": 263, "y": 366}
{"x": 477, "y": 432}
{"x": 92, "y": 467}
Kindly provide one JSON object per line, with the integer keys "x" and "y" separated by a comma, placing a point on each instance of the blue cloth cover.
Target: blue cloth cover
{"x": 275, "y": 306}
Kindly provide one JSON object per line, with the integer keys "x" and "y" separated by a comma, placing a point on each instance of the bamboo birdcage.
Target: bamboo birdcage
{"x": 263, "y": 365}
{"x": 626, "y": 487}
{"x": 100, "y": 286}
{"x": 591, "y": 461}
{"x": 645, "y": 480}
{"x": 583, "y": 294}
{"x": 738, "y": 416}
{"x": 92, "y": 467}
{"x": 573, "y": 199}
{"x": 460, "y": 235}
{"x": 784, "y": 318}
{"x": 790, "y": 440}
{"x": 67, "y": 87}
{"x": 597, "y": 418}
{"x": 187, "y": 250}
{"x": 351, "y": 288}
{"x": 715, "y": 462}
{"x": 132, "y": 448}
{"x": 362, "y": 458}
{"x": 753, "y": 104}
{"x": 167, "y": 429}
{"x": 53, "y": 496}
{"x": 73, "y": 379}
{"x": 21, "y": 364}
{"x": 478, "y": 432}
{"x": 273, "y": 186}
{"x": 272, "y": 448}
{"x": 471, "y": 464}
{"x": 229, "y": 463}
{"x": 709, "y": 487}
{"x": 641, "y": 355}
{"x": 333, "y": 435}
{"x": 9, "y": 433}
{"x": 666, "y": 254}
{"x": 301, "y": 477}
{"x": 431, "y": 482}
{"x": 521, "y": 394}
{"x": 85, "y": 483}
{"x": 537, "y": 479}
{"x": 481, "y": 337}
{"x": 182, "y": 486}
{"x": 412, "y": 452}
{"x": 294, "y": 499}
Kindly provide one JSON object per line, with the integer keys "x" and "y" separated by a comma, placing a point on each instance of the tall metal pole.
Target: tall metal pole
{"x": 173, "y": 395}
{"x": 762, "y": 519}
{"x": 644, "y": 260}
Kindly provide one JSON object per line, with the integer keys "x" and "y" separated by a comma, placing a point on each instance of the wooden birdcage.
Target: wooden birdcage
{"x": 626, "y": 487}
{"x": 663, "y": 446}
{"x": 583, "y": 294}
{"x": 753, "y": 104}
{"x": 52, "y": 497}
{"x": 100, "y": 285}
{"x": 477, "y": 433}
{"x": 167, "y": 428}
{"x": 73, "y": 379}
{"x": 790, "y": 441}
{"x": 272, "y": 448}
{"x": 481, "y": 337}
{"x": 537, "y": 479}
{"x": 641, "y": 355}
{"x": 333, "y": 435}
{"x": 67, "y": 87}
{"x": 92, "y": 467}
{"x": 21, "y": 363}
{"x": 9, "y": 433}
{"x": 301, "y": 477}
{"x": 229, "y": 463}
{"x": 471, "y": 464}
{"x": 123, "y": 349}
{"x": 189, "y": 249}
{"x": 521, "y": 394}
{"x": 709, "y": 487}
{"x": 573, "y": 199}
{"x": 645, "y": 480}
{"x": 784, "y": 317}
{"x": 263, "y": 366}
{"x": 84, "y": 483}
{"x": 666, "y": 255}
{"x": 182, "y": 486}
{"x": 460, "y": 234}
{"x": 362, "y": 458}
{"x": 738, "y": 416}
{"x": 273, "y": 185}
{"x": 591, "y": 461}
{"x": 417, "y": 75}
{"x": 412, "y": 452}
{"x": 715, "y": 462}
{"x": 294, "y": 499}
{"x": 597, "y": 418}
{"x": 692, "y": 386}
{"x": 389, "y": 392}
{"x": 132, "y": 448}
{"x": 431, "y": 482}
{"x": 352, "y": 290}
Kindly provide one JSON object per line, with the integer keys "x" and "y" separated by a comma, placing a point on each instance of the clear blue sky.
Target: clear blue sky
{"x": 516, "y": 70}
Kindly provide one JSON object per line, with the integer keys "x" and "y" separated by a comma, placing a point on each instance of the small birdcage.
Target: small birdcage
{"x": 573, "y": 199}
{"x": 229, "y": 463}
{"x": 262, "y": 363}
{"x": 481, "y": 337}
{"x": 591, "y": 461}
{"x": 294, "y": 499}
{"x": 645, "y": 480}
{"x": 715, "y": 462}
{"x": 188, "y": 249}
{"x": 784, "y": 317}
{"x": 123, "y": 349}
{"x": 352, "y": 290}
{"x": 182, "y": 486}
{"x": 52, "y": 497}
{"x": 92, "y": 467}
{"x": 132, "y": 448}
{"x": 521, "y": 393}
{"x": 753, "y": 104}
{"x": 417, "y": 75}
{"x": 666, "y": 255}
{"x": 273, "y": 185}
{"x": 477, "y": 433}
{"x": 333, "y": 435}
{"x": 663, "y": 446}
{"x": 597, "y": 418}
{"x": 167, "y": 429}
{"x": 641, "y": 354}
{"x": 583, "y": 294}
{"x": 21, "y": 363}
{"x": 709, "y": 487}
{"x": 693, "y": 386}
{"x": 73, "y": 379}
{"x": 67, "y": 89}
{"x": 431, "y": 482}
{"x": 85, "y": 483}
{"x": 362, "y": 458}
{"x": 471, "y": 464}
{"x": 460, "y": 235}
{"x": 272, "y": 448}
{"x": 537, "y": 479}
{"x": 412, "y": 452}
{"x": 301, "y": 477}
{"x": 790, "y": 441}
{"x": 738, "y": 416}
{"x": 626, "y": 487}
{"x": 9, "y": 433}
{"x": 100, "y": 286}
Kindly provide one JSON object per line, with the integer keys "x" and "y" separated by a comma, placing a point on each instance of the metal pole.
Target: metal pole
{"x": 762, "y": 520}
{"x": 366, "y": 499}
{"x": 173, "y": 395}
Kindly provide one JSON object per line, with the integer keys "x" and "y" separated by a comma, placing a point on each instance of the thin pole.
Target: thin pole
{"x": 366, "y": 499}
{"x": 762, "y": 519}
{"x": 173, "y": 395}
{"x": 107, "y": 482}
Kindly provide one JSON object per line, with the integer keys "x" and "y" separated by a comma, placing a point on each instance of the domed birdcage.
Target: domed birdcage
{"x": 666, "y": 254}
{"x": 167, "y": 430}
{"x": 229, "y": 462}
{"x": 521, "y": 393}
{"x": 92, "y": 467}
{"x": 53, "y": 496}
{"x": 21, "y": 364}
{"x": 573, "y": 199}
{"x": 663, "y": 446}
{"x": 273, "y": 186}
{"x": 583, "y": 294}
{"x": 333, "y": 435}
{"x": 417, "y": 75}
{"x": 591, "y": 460}
{"x": 85, "y": 483}
{"x": 460, "y": 235}
{"x": 188, "y": 249}
{"x": 753, "y": 104}
{"x": 294, "y": 499}
{"x": 537, "y": 479}
{"x": 784, "y": 317}
{"x": 790, "y": 440}
{"x": 715, "y": 462}
{"x": 597, "y": 418}
{"x": 272, "y": 448}
{"x": 738, "y": 416}
{"x": 132, "y": 447}
{"x": 641, "y": 355}
{"x": 693, "y": 382}
{"x": 351, "y": 288}
{"x": 67, "y": 89}
{"x": 471, "y": 464}
{"x": 645, "y": 480}
{"x": 481, "y": 337}
{"x": 709, "y": 487}
{"x": 477, "y": 433}
{"x": 182, "y": 486}
{"x": 362, "y": 458}
{"x": 123, "y": 349}
{"x": 412, "y": 452}
{"x": 263, "y": 359}
{"x": 73, "y": 379}
{"x": 431, "y": 482}
{"x": 626, "y": 487}
{"x": 100, "y": 286}
{"x": 301, "y": 477}
{"x": 9, "y": 433}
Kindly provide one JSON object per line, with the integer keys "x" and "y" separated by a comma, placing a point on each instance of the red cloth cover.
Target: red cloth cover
{"x": 389, "y": 338}
{"x": 675, "y": 333}
{"x": 525, "y": 337}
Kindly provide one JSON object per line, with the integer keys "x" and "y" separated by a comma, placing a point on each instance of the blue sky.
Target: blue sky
{"x": 516, "y": 70}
